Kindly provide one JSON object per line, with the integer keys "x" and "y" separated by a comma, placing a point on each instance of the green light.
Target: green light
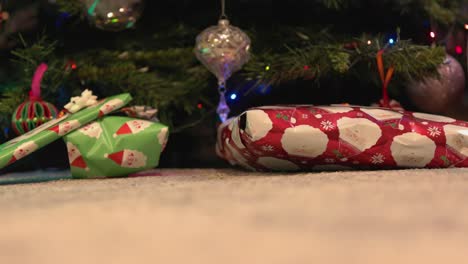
{"x": 205, "y": 50}
{"x": 267, "y": 68}
{"x": 115, "y": 20}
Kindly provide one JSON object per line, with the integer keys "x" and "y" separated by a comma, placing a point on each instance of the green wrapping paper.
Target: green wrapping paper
{"x": 115, "y": 146}
{"x": 26, "y": 144}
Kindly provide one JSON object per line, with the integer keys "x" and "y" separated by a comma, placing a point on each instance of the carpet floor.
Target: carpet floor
{"x": 231, "y": 216}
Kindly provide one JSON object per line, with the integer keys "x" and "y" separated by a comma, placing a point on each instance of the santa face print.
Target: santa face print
{"x": 92, "y": 130}
{"x": 139, "y": 125}
{"x": 25, "y": 149}
{"x": 133, "y": 159}
{"x": 110, "y": 106}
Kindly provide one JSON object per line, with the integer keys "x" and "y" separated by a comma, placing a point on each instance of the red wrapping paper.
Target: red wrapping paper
{"x": 282, "y": 138}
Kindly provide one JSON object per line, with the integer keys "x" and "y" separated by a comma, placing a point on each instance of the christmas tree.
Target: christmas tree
{"x": 303, "y": 52}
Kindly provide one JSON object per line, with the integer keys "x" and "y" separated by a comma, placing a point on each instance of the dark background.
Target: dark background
{"x": 194, "y": 147}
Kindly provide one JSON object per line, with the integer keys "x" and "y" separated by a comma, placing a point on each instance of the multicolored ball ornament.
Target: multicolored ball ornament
{"x": 35, "y": 111}
{"x": 223, "y": 49}
{"x": 114, "y": 15}
{"x": 439, "y": 95}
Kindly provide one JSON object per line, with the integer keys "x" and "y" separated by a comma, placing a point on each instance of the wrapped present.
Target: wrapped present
{"x": 115, "y": 146}
{"x": 26, "y": 144}
{"x": 319, "y": 137}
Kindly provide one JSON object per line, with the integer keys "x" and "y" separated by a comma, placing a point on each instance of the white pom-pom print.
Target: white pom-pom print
{"x": 435, "y": 118}
{"x": 382, "y": 115}
{"x": 304, "y": 141}
{"x": 336, "y": 109}
{"x": 412, "y": 150}
{"x": 359, "y": 132}
{"x": 457, "y": 138}
{"x": 258, "y": 124}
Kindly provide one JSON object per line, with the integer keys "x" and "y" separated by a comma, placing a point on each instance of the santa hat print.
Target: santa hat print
{"x": 79, "y": 163}
{"x": 128, "y": 158}
{"x": 124, "y": 129}
{"x": 132, "y": 127}
{"x": 117, "y": 157}
{"x": 12, "y": 160}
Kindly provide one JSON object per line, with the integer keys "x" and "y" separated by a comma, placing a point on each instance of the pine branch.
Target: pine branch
{"x": 72, "y": 7}
{"x": 441, "y": 11}
{"x": 315, "y": 60}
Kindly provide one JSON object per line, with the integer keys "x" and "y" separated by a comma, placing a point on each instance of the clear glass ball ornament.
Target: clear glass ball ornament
{"x": 113, "y": 15}
{"x": 223, "y": 49}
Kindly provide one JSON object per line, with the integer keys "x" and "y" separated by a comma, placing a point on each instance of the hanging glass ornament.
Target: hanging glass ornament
{"x": 113, "y": 15}
{"x": 223, "y": 49}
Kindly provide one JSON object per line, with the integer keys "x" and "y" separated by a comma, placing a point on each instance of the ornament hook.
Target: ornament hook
{"x": 223, "y": 109}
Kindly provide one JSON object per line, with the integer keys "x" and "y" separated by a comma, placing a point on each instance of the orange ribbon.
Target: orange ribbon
{"x": 384, "y": 77}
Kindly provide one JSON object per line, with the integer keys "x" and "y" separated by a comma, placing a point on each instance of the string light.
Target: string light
{"x": 432, "y": 34}
{"x": 306, "y": 67}
{"x": 459, "y": 50}
{"x": 466, "y": 26}
{"x": 110, "y": 14}
{"x": 199, "y": 106}
{"x": 391, "y": 41}
{"x": 369, "y": 42}
{"x": 267, "y": 68}
{"x": 233, "y": 96}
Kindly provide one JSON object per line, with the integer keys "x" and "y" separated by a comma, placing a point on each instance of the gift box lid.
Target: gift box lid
{"x": 28, "y": 143}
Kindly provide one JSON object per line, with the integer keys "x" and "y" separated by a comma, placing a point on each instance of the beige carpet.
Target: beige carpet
{"x": 230, "y": 216}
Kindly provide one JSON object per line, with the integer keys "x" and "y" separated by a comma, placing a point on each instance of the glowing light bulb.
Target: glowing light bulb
{"x": 466, "y": 26}
{"x": 110, "y": 14}
{"x": 369, "y": 42}
{"x": 432, "y": 34}
{"x": 391, "y": 41}
{"x": 233, "y": 96}
{"x": 459, "y": 50}
{"x": 267, "y": 68}
{"x": 121, "y": 10}
{"x": 199, "y": 106}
